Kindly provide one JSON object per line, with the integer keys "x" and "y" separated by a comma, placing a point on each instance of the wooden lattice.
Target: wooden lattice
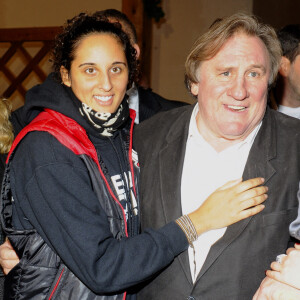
{"x": 17, "y": 39}
{"x": 14, "y": 45}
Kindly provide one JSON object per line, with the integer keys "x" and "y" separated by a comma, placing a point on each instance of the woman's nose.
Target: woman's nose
{"x": 105, "y": 82}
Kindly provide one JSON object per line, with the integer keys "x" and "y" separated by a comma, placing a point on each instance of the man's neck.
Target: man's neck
{"x": 289, "y": 101}
{"x": 288, "y": 97}
{"x": 217, "y": 142}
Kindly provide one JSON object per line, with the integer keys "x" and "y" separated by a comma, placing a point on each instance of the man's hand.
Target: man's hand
{"x": 283, "y": 281}
{"x": 288, "y": 271}
{"x": 271, "y": 289}
{"x": 8, "y": 257}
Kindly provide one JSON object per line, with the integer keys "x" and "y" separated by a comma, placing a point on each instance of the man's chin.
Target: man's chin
{"x": 235, "y": 134}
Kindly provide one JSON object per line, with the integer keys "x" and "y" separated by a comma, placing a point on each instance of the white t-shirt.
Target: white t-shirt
{"x": 290, "y": 111}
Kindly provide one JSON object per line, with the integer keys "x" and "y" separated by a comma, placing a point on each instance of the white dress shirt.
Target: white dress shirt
{"x": 204, "y": 171}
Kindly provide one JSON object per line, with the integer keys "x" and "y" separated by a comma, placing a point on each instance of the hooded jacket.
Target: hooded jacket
{"x": 53, "y": 195}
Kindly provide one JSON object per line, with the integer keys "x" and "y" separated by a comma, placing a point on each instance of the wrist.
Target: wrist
{"x": 187, "y": 226}
{"x": 199, "y": 223}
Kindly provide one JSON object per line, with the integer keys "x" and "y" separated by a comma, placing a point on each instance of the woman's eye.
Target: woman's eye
{"x": 116, "y": 70}
{"x": 90, "y": 71}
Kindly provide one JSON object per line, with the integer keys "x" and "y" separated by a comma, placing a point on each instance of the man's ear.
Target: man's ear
{"x": 138, "y": 50}
{"x": 285, "y": 66}
{"x": 65, "y": 76}
{"x": 194, "y": 89}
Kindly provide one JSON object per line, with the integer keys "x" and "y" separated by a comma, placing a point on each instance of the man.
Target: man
{"x": 145, "y": 102}
{"x": 287, "y": 91}
{"x": 283, "y": 281}
{"x": 186, "y": 153}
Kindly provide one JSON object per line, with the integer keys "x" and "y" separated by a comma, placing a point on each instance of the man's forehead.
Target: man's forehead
{"x": 243, "y": 48}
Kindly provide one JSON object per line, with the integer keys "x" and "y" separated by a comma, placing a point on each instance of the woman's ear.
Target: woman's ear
{"x": 65, "y": 76}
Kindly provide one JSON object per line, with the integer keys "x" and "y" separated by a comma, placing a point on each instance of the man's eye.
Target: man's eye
{"x": 253, "y": 74}
{"x": 227, "y": 73}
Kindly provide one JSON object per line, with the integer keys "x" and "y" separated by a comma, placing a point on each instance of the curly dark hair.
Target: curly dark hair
{"x": 81, "y": 26}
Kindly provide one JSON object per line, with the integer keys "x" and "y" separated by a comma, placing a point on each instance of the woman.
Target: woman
{"x": 6, "y": 139}
{"x": 6, "y": 133}
{"x": 73, "y": 176}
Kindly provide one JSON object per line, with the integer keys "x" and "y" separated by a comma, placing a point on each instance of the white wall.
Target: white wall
{"x": 37, "y": 13}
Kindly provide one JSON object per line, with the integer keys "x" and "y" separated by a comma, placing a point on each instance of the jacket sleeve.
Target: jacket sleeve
{"x": 52, "y": 192}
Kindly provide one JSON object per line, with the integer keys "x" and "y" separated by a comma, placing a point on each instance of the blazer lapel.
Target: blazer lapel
{"x": 171, "y": 159}
{"x": 258, "y": 165}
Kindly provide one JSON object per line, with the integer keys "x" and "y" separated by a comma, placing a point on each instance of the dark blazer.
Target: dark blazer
{"x": 151, "y": 103}
{"x": 236, "y": 263}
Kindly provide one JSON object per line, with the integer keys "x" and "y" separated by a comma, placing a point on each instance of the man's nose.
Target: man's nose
{"x": 238, "y": 89}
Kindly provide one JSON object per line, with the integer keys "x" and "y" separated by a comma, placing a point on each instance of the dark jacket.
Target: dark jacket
{"x": 15, "y": 119}
{"x": 55, "y": 196}
{"x": 151, "y": 103}
{"x": 41, "y": 264}
{"x": 236, "y": 263}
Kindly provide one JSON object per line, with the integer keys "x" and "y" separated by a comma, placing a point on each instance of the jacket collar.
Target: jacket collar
{"x": 171, "y": 159}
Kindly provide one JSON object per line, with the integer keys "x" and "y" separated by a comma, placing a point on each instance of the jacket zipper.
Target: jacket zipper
{"x": 56, "y": 285}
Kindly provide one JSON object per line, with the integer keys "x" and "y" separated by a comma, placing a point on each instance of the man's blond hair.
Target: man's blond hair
{"x": 210, "y": 43}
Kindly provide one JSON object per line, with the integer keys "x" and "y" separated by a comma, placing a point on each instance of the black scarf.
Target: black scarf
{"x": 104, "y": 123}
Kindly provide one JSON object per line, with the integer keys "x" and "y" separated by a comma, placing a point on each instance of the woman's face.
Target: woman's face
{"x": 99, "y": 72}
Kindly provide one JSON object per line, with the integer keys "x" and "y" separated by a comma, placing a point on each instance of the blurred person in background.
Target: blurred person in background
{"x": 286, "y": 95}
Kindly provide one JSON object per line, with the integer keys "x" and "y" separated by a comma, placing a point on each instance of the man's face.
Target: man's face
{"x": 294, "y": 78}
{"x": 232, "y": 89}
